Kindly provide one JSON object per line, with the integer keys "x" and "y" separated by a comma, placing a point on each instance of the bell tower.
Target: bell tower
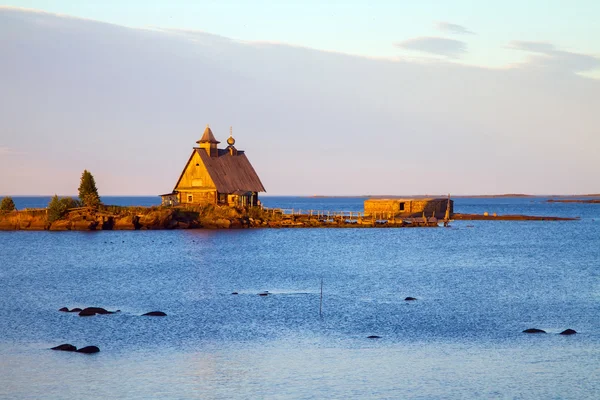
{"x": 208, "y": 142}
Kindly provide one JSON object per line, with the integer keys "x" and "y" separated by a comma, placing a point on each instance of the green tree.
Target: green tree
{"x": 58, "y": 208}
{"x": 88, "y": 193}
{"x": 7, "y": 204}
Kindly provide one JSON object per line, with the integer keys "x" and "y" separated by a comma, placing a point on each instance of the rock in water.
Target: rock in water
{"x": 65, "y": 347}
{"x": 533, "y": 330}
{"x": 568, "y": 332}
{"x": 76, "y": 309}
{"x": 373, "y": 337}
{"x": 155, "y": 314}
{"x": 88, "y": 350}
{"x": 234, "y": 293}
{"x": 89, "y": 311}
{"x": 410, "y": 299}
{"x": 64, "y": 309}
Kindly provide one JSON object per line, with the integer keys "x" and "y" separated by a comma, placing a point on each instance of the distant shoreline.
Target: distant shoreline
{"x": 477, "y": 196}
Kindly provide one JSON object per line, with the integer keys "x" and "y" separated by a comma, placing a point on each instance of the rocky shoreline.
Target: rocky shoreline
{"x": 164, "y": 218}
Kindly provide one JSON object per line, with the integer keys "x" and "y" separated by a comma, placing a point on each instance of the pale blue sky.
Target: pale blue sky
{"x": 368, "y": 28}
{"x": 427, "y": 97}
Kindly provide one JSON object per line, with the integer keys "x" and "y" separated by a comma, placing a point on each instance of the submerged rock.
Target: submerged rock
{"x": 410, "y": 298}
{"x": 64, "y": 309}
{"x": 234, "y": 293}
{"x": 88, "y": 350}
{"x": 265, "y": 293}
{"x": 568, "y": 332}
{"x": 534, "y": 330}
{"x": 76, "y": 309}
{"x": 65, "y": 347}
{"x": 373, "y": 337}
{"x": 154, "y": 314}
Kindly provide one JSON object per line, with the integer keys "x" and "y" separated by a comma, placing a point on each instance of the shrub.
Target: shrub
{"x": 58, "y": 208}
{"x": 7, "y": 204}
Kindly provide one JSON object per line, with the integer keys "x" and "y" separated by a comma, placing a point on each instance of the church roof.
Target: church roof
{"x": 208, "y": 137}
{"x": 231, "y": 173}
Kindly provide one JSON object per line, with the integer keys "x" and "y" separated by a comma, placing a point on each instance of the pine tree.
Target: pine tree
{"x": 7, "y": 204}
{"x": 88, "y": 193}
{"x": 58, "y": 208}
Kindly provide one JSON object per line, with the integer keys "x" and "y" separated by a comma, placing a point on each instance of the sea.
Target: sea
{"x": 478, "y": 285}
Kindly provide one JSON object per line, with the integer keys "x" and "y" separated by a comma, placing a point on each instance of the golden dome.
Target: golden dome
{"x": 230, "y": 140}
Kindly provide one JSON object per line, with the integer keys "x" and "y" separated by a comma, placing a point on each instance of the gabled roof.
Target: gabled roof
{"x": 231, "y": 173}
{"x": 208, "y": 137}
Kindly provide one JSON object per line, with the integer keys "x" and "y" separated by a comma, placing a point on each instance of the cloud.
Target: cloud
{"x": 547, "y": 55}
{"x": 435, "y": 45}
{"x": 453, "y": 28}
{"x": 6, "y": 150}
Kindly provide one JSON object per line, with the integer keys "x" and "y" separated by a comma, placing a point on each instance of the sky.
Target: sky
{"x": 329, "y": 98}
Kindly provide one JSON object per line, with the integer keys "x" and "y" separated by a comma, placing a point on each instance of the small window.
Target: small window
{"x": 401, "y": 206}
{"x": 190, "y": 198}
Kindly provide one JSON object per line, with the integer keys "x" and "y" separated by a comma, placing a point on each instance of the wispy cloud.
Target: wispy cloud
{"x": 435, "y": 45}
{"x": 547, "y": 55}
{"x": 453, "y": 28}
{"x": 6, "y": 151}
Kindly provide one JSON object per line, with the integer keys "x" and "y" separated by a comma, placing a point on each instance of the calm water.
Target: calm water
{"x": 477, "y": 289}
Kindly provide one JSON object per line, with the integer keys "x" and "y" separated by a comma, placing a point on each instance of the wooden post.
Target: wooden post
{"x": 321, "y": 300}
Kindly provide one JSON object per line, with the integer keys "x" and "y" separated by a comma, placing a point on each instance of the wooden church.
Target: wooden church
{"x": 216, "y": 176}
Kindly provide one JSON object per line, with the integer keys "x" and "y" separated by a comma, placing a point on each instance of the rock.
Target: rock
{"x": 84, "y": 225}
{"x": 61, "y": 225}
{"x": 65, "y": 347}
{"x": 76, "y": 309}
{"x": 265, "y": 293}
{"x": 373, "y": 337}
{"x": 234, "y": 293}
{"x": 410, "y": 298}
{"x": 533, "y": 330}
{"x": 88, "y": 350}
{"x": 126, "y": 223}
{"x": 154, "y": 314}
{"x": 64, "y": 309}
{"x": 222, "y": 223}
{"x": 89, "y": 311}
{"x": 568, "y": 332}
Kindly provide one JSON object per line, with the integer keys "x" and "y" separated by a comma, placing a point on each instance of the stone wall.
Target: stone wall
{"x": 408, "y": 207}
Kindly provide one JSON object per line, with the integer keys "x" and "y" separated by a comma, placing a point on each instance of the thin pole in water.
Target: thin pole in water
{"x": 321, "y": 300}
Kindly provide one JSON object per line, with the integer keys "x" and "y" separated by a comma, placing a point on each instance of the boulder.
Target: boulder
{"x": 84, "y": 225}
{"x": 65, "y": 347}
{"x": 128, "y": 223}
{"x": 64, "y": 309}
{"x": 61, "y": 225}
{"x": 534, "y": 330}
{"x": 154, "y": 314}
{"x": 89, "y": 311}
{"x": 88, "y": 350}
{"x": 568, "y": 332}
{"x": 410, "y": 298}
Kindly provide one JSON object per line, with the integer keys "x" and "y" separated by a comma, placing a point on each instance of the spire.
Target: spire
{"x": 208, "y": 137}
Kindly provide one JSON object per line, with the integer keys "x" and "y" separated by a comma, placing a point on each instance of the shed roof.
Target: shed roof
{"x": 231, "y": 173}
